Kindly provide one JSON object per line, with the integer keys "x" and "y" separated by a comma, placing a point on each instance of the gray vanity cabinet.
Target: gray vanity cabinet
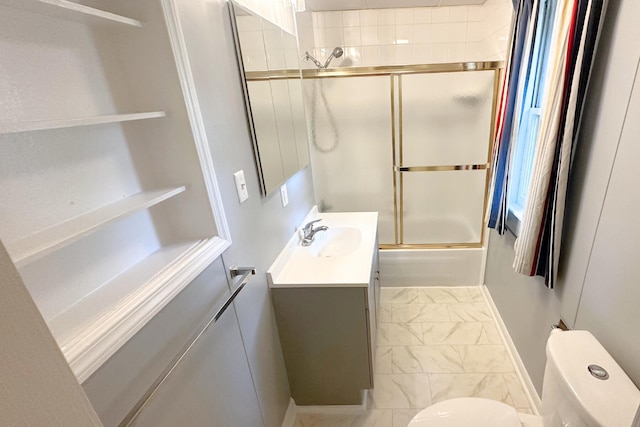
{"x": 328, "y": 339}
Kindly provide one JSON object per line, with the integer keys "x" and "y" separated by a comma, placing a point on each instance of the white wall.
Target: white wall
{"x": 37, "y": 386}
{"x": 592, "y": 289}
{"x": 414, "y": 35}
{"x": 609, "y": 303}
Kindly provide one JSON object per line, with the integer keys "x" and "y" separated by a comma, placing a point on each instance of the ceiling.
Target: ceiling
{"x": 318, "y": 5}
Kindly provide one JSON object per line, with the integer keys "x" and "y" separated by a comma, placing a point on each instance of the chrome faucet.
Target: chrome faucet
{"x": 309, "y": 232}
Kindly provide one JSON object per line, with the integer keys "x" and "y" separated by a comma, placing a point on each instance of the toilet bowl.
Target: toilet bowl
{"x": 467, "y": 411}
{"x": 583, "y": 386}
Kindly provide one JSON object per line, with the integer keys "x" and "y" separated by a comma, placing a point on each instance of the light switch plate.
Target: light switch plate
{"x": 241, "y": 186}
{"x": 284, "y": 195}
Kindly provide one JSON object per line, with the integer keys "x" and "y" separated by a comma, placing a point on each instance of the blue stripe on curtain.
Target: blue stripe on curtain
{"x": 498, "y": 208}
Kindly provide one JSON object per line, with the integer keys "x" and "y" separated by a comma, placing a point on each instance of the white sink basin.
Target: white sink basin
{"x": 336, "y": 241}
{"x": 339, "y": 256}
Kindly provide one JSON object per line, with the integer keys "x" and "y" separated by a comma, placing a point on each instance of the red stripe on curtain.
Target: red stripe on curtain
{"x": 502, "y": 106}
{"x": 572, "y": 35}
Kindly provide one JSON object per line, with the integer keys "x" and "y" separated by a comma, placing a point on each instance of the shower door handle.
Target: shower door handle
{"x": 442, "y": 168}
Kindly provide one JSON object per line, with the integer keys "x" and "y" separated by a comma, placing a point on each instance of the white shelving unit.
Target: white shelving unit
{"x": 75, "y": 328}
{"x": 106, "y": 221}
{"x": 29, "y": 126}
{"x": 53, "y": 238}
{"x": 72, "y": 11}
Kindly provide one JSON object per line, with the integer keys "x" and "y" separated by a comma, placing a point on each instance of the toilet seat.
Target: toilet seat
{"x": 465, "y": 412}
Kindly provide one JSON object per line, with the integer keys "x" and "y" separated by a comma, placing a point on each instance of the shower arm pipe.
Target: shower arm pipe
{"x": 308, "y": 57}
{"x": 375, "y": 71}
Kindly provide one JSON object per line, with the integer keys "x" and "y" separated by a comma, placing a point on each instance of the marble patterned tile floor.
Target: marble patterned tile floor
{"x": 433, "y": 344}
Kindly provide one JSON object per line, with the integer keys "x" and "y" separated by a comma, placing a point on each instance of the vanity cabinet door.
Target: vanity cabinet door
{"x": 373, "y": 290}
{"x": 325, "y": 340}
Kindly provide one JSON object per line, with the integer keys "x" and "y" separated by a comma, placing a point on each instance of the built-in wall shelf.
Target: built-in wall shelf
{"x": 33, "y": 125}
{"x": 50, "y": 239}
{"x": 106, "y": 222}
{"x": 71, "y": 11}
{"x": 88, "y": 331}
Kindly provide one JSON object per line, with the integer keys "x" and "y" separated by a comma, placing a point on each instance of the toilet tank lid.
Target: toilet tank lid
{"x": 613, "y": 401}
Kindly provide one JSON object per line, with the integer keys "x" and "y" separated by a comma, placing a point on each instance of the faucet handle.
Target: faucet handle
{"x": 309, "y": 226}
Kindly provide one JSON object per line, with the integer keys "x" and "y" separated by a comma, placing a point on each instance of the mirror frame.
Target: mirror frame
{"x": 232, "y": 5}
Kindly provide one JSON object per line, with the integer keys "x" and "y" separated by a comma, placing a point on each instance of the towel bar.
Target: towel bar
{"x": 235, "y": 271}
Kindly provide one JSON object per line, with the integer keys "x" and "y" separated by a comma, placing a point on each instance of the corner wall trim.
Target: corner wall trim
{"x": 290, "y": 416}
{"x": 521, "y": 371}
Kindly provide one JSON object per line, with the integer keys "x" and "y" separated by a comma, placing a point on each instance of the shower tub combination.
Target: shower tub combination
{"x": 413, "y": 143}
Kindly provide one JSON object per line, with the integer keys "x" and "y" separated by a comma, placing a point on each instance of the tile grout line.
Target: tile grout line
{"x": 398, "y": 414}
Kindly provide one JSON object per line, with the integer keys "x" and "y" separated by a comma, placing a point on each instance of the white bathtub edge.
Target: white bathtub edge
{"x": 431, "y": 267}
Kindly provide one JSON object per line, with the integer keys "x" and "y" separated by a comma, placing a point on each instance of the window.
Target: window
{"x": 530, "y": 112}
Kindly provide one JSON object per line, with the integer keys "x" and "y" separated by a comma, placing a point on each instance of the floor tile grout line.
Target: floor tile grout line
{"x": 457, "y": 346}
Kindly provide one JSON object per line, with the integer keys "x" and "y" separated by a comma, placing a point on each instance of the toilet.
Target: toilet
{"x": 583, "y": 386}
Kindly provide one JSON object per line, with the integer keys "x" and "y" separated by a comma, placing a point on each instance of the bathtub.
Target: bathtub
{"x": 432, "y": 267}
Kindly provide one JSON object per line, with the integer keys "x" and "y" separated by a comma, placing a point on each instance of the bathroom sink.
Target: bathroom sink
{"x": 341, "y": 255}
{"x": 336, "y": 241}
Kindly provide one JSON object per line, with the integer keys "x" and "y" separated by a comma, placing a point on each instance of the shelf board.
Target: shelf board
{"x": 72, "y": 321}
{"x": 60, "y": 235}
{"x": 71, "y": 11}
{"x": 28, "y": 126}
{"x": 92, "y": 329}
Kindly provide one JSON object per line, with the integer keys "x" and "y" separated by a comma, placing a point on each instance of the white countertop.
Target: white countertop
{"x": 298, "y": 266}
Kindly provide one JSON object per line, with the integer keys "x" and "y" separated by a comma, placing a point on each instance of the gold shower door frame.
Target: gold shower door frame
{"x": 397, "y": 154}
{"x": 395, "y": 74}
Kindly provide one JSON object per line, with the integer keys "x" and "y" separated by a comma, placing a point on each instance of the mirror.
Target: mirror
{"x": 268, "y": 59}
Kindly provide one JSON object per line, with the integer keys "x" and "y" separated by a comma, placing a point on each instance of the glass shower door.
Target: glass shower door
{"x": 350, "y": 133}
{"x": 444, "y": 133}
{"x": 412, "y": 145}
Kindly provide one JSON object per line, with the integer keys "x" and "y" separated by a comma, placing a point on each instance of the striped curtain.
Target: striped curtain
{"x": 575, "y": 34}
{"x": 523, "y": 26}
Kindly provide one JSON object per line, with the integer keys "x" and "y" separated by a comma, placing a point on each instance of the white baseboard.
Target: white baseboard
{"x": 521, "y": 371}
{"x": 326, "y": 410}
{"x": 290, "y": 415}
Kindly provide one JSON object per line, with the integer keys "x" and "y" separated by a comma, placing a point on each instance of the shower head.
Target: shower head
{"x": 337, "y": 53}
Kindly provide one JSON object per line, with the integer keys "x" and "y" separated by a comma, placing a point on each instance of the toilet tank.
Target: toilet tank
{"x": 572, "y": 396}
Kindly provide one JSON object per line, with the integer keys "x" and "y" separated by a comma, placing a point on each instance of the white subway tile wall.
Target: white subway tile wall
{"x": 411, "y": 35}
{"x": 306, "y": 39}
{"x": 278, "y": 13}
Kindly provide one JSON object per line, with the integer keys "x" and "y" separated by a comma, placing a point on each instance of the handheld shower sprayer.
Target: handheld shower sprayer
{"x": 337, "y": 53}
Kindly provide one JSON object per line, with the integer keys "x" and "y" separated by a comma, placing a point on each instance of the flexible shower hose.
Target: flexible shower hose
{"x": 332, "y": 121}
